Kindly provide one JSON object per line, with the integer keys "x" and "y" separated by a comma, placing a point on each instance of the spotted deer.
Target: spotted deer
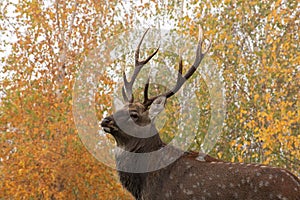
{"x": 187, "y": 176}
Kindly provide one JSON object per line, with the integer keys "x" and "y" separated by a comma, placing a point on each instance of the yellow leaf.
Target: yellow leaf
{"x": 232, "y": 159}
{"x": 256, "y": 97}
{"x": 240, "y": 159}
{"x": 268, "y": 152}
{"x": 220, "y": 154}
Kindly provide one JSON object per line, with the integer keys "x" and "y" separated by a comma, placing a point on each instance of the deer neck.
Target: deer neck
{"x": 145, "y": 145}
{"x": 134, "y": 182}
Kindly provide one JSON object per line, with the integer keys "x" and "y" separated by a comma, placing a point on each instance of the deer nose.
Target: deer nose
{"x": 106, "y": 121}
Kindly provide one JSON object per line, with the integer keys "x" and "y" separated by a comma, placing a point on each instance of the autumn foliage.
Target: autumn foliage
{"x": 255, "y": 45}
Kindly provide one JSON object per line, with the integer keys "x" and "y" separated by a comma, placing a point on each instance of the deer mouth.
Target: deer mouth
{"x": 108, "y": 126}
{"x": 109, "y": 129}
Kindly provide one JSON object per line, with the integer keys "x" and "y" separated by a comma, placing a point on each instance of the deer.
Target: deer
{"x": 186, "y": 177}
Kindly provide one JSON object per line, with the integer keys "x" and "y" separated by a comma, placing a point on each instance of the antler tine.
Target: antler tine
{"x": 127, "y": 89}
{"x": 182, "y": 79}
{"x": 179, "y": 82}
{"x": 126, "y": 85}
{"x": 146, "y": 91}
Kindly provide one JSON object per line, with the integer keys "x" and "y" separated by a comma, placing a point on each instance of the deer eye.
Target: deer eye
{"x": 134, "y": 116}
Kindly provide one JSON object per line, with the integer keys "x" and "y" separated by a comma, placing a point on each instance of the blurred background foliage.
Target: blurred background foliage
{"x": 255, "y": 46}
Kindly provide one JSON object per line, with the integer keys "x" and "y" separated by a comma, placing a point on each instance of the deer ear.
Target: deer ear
{"x": 157, "y": 106}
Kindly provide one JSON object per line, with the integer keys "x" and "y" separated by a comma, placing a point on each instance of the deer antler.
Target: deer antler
{"x": 127, "y": 88}
{"x": 180, "y": 79}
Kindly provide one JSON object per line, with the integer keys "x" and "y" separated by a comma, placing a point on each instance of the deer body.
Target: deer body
{"x": 189, "y": 178}
{"x": 133, "y": 127}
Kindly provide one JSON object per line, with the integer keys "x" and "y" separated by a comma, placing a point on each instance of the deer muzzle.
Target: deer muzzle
{"x": 108, "y": 124}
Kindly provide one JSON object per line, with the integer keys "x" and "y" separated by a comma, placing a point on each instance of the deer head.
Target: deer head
{"x": 187, "y": 177}
{"x": 133, "y": 125}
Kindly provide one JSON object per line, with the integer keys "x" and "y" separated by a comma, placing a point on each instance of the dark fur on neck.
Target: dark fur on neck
{"x": 134, "y": 182}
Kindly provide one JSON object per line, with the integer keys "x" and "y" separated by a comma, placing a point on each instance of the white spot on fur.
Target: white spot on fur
{"x": 281, "y": 197}
{"x": 167, "y": 195}
{"x": 270, "y": 176}
{"x": 258, "y": 174}
{"x": 188, "y": 192}
{"x": 255, "y": 189}
{"x": 248, "y": 179}
{"x": 267, "y": 183}
{"x": 236, "y": 195}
